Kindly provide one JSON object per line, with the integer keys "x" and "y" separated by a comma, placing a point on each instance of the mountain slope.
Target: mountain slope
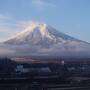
{"x": 38, "y": 32}
{"x": 42, "y": 39}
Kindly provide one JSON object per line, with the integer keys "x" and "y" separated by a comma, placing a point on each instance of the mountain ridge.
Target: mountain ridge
{"x": 43, "y": 30}
{"x": 42, "y": 39}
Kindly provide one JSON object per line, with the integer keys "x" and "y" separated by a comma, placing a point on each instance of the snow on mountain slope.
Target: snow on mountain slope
{"x": 42, "y": 39}
{"x": 37, "y": 32}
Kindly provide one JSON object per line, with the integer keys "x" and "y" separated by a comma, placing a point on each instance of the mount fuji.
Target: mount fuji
{"x": 40, "y": 39}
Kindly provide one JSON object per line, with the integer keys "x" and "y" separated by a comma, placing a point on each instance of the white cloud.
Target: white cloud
{"x": 42, "y": 4}
{"x": 5, "y": 17}
{"x": 7, "y": 26}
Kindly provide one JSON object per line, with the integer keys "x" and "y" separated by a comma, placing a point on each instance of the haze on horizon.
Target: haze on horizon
{"x": 69, "y": 16}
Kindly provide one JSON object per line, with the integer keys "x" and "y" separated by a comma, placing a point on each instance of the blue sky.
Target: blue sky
{"x": 69, "y": 16}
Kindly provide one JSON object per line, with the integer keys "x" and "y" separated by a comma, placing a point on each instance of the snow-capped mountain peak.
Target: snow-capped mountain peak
{"x": 38, "y": 32}
{"x": 42, "y": 39}
{"x": 36, "y": 26}
{"x": 33, "y": 27}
